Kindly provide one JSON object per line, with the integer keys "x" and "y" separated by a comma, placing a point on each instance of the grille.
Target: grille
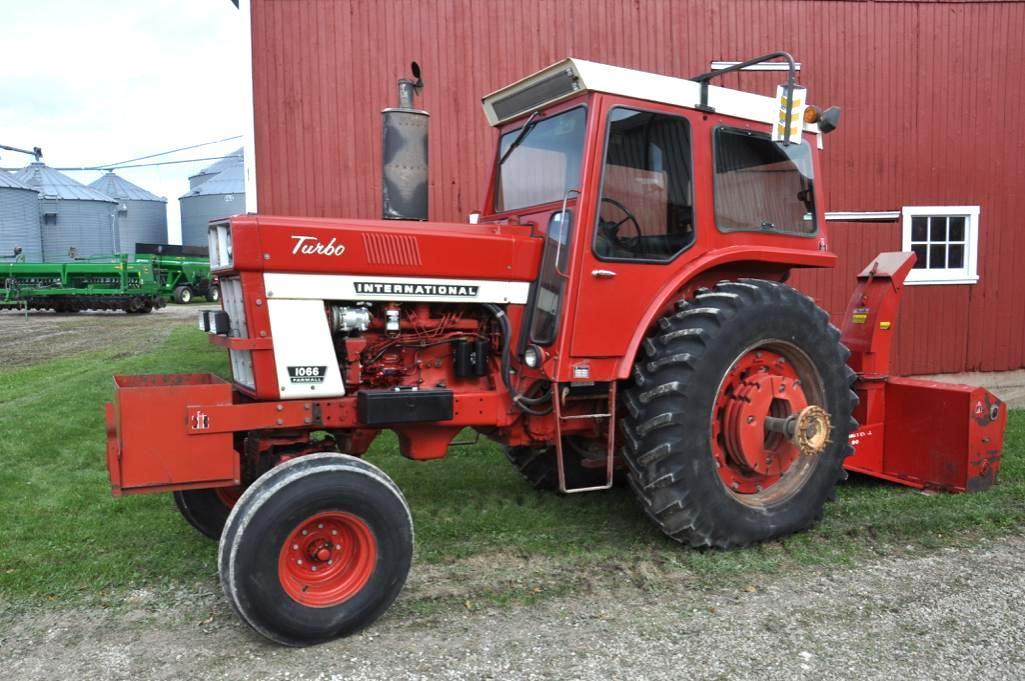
{"x": 241, "y": 360}
{"x": 391, "y": 249}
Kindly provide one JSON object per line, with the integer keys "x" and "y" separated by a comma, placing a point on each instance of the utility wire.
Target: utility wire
{"x": 146, "y": 165}
{"x": 163, "y": 153}
{"x": 143, "y": 165}
{"x": 122, "y": 164}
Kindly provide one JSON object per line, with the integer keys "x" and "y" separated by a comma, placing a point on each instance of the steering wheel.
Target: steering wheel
{"x": 611, "y": 230}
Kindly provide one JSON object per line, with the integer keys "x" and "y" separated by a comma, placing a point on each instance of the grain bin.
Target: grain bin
{"x": 141, "y": 215}
{"x": 75, "y": 220}
{"x": 19, "y": 220}
{"x": 215, "y": 192}
{"x": 232, "y": 159}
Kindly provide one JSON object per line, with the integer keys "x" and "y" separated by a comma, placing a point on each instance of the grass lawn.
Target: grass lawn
{"x": 63, "y": 537}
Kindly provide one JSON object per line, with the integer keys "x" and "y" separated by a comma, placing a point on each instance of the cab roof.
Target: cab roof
{"x": 571, "y": 77}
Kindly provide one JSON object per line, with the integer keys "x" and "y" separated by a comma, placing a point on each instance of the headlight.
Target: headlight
{"x": 532, "y": 356}
{"x": 221, "y": 249}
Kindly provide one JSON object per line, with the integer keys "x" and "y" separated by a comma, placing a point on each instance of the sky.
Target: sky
{"x": 108, "y": 80}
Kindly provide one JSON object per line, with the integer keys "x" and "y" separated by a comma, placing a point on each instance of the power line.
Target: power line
{"x": 157, "y": 163}
{"x": 143, "y": 165}
{"x": 163, "y": 153}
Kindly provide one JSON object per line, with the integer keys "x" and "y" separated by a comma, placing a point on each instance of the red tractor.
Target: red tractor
{"x": 619, "y": 310}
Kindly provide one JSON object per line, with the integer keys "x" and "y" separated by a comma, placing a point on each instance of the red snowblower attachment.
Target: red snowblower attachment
{"x": 924, "y": 434}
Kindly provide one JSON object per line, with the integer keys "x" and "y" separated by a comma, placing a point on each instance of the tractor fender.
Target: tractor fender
{"x": 763, "y": 262}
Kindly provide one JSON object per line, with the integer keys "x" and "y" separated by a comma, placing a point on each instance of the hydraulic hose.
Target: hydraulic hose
{"x": 519, "y": 399}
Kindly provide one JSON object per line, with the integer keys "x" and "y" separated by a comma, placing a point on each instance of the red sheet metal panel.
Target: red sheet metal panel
{"x": 148, "y": 443}
{"x": 932, "y": 94}
{"x": 943, "y": 436}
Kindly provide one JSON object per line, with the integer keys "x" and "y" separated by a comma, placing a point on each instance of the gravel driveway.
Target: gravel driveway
{"x": 953, "y": 614}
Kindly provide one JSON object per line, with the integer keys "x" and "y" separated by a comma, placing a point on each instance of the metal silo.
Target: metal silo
{"x": 19, "y": 220}
{"x": 75, "y": 221}
{"x": 141, "y": 215}
{"x": 234, "y": 158}
{"x": 215, "y": 192}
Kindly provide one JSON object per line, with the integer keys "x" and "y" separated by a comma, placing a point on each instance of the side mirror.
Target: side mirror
{"x": 829, "y": 119}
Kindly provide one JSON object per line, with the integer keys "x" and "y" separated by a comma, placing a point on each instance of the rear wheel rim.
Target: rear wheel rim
{"x": 327, "y": 559}
{"x": 771, "y": 378}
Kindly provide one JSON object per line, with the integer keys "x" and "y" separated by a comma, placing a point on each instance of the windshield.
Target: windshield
{"x": 761, "y": 184}
{"x": 545, "y": 163}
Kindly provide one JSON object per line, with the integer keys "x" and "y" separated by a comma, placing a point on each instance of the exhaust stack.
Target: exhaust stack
{"x": 404, "y": 186}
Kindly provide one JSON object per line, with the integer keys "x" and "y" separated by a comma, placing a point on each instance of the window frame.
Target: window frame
{"x": 969, "y": 274}
{"x": 497, "y": 170}
{"x": 601, "y": 187}
{"x": 752, "y": 132}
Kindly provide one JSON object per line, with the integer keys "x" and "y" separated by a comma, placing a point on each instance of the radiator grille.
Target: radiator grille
{"x": 391, "y": 249}
{"x": 241, "y": 360}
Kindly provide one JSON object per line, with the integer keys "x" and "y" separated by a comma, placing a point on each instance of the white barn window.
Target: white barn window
{"x": 945, "y": 239}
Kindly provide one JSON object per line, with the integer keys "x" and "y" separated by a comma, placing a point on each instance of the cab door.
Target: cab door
{"x": 644, "y": 229}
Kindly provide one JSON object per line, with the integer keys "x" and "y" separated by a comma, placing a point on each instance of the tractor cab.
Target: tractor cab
{"x": 641, "y": 183}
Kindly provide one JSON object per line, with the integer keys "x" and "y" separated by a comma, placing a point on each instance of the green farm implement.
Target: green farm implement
{"x": 117, "y": 282}
{"x": 183, "y": 272}
{"x": 113, "y": 284}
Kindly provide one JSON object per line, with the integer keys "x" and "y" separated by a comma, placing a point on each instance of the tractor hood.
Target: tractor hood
{"x": 375, "y": 247}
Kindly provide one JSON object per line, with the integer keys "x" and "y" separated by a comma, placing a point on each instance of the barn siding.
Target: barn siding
{"x": 932, "y": 94}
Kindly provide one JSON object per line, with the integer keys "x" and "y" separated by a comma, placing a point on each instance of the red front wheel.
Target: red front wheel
{"x": 327, "y": 559}
{"x": 316, "y": 548}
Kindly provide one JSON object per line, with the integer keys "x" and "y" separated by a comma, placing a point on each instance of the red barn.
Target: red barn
{"x": 928, "y": 154}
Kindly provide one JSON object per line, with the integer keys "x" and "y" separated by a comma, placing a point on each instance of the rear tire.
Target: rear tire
{"x": 207, "y": 510}
{"x": 213, "y": 294}
{"x": 539, "y": 467}
{"x": 183, "y": 295}
{"x": 684, "y": 422}
{"x": 296, "y": 587}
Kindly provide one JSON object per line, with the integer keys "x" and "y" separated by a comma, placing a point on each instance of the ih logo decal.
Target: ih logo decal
{"x": 307, "y": 374}
{"x": 200, "y": 421}
{"x": 311, "y": 245}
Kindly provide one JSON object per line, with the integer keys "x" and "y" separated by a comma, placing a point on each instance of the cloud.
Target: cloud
{"x": 99, "y": 82}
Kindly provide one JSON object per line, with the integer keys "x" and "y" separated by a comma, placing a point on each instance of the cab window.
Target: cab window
{"x": 762, "y": 185}
{"x": 647, "y": 208}
{"x": 545, "y": 162}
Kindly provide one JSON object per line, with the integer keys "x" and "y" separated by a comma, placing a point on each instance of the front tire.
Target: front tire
{"x": 213, "y": 294}
{"x": 207, "y": 510}
{"x": 316, "y": 548}
{"x": 703, "y": 463}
